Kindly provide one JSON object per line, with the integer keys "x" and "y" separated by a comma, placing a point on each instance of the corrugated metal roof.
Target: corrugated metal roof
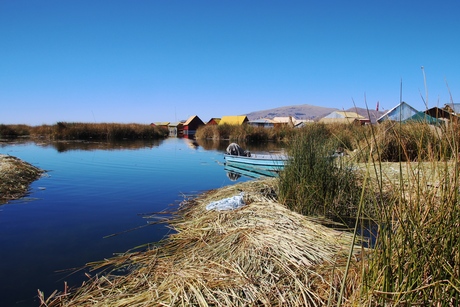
{"x": 233, "y": 120}
{"x": 262, "y": 121}
{"x": 401, "y": 112}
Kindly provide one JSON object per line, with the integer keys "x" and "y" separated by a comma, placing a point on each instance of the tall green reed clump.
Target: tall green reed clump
{"x": 416, "y": 258}
{"x": 243, "y": 133}
{"x": 417, "y": 141}
{"x": 315, "y": 182}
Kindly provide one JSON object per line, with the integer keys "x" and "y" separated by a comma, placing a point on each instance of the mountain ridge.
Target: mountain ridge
{"x": 310, "y": 112}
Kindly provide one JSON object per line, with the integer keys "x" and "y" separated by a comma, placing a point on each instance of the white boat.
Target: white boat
{"x": 238, "y": 157}
{"x": 276, "y": 161}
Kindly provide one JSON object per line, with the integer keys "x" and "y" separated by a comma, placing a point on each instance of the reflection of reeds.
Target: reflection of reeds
{"x": 261, "y": 254}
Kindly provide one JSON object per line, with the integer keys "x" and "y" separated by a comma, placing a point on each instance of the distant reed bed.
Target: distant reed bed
{"x": 85, "y": 131}
{"x": 14, "y": 131}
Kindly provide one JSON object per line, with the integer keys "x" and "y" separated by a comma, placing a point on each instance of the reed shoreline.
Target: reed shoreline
{"x": 15, "y": 177}
{"x": 260, "y": 254}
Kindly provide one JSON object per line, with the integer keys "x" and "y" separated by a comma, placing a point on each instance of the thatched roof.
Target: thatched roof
{"x": 233, "y": 120}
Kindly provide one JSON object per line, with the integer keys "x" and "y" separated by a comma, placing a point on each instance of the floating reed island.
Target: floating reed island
{"x": 261, "y": 254}
{"x": 15, "y": 177}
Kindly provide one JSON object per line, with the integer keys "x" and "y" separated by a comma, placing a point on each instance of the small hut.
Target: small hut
{"x": 176, "y": 129}
{"x": 192, "y": 124}
{"x": 213, "y": 121}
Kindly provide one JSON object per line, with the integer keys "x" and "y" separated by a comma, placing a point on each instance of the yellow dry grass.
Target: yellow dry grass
{"x": 259, "y": 255}
{"x": 15, "y": 177}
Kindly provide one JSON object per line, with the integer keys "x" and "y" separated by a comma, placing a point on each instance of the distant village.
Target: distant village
{"x": 403, "y": 112}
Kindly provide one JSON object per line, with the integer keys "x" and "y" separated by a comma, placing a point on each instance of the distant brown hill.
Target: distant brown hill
{"x": 303, "y": 111}
{"x": 306, "y": 111}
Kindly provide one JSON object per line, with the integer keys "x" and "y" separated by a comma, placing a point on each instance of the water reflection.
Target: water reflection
{"x": 94, "y": 189}
{"x": 235, "y": 171}
{"x": 63, "y": 146}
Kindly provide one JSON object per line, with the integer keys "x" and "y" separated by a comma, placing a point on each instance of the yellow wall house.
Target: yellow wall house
{"x": 234, "y": 120}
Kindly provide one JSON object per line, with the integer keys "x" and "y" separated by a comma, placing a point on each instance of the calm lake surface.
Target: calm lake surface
{"x": 91, "y": 191}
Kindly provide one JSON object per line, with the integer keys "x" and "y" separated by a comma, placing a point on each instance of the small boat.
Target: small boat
{"x": 237, "y": 157}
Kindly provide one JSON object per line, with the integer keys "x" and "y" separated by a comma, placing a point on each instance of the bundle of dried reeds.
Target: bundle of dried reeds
{"x": 261, "y": 254}
{"x": 15, "y": 177}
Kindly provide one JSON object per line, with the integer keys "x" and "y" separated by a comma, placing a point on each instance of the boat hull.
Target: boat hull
{"x": 277, "y": 162}
{"x": 250, "y": 171}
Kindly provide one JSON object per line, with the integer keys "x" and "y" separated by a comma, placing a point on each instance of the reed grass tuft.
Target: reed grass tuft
{"x": 318, "y": 181}
{"x": 416, "y": 258}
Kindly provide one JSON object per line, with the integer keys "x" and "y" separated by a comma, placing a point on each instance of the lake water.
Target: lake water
{"x": 91, "y": 191}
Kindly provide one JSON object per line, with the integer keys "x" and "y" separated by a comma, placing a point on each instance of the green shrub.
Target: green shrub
{"x": 315, "y": 182}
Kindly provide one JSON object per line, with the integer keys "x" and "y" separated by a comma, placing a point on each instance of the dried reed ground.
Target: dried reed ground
{"x": 261, "y": 254}
{"x": 15, "y": 177}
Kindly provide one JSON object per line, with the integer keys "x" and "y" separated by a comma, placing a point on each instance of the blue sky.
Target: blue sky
{"x": 165, "y": 60}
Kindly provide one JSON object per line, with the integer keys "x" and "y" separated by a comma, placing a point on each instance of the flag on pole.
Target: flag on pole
{"x": 377, "y": 107}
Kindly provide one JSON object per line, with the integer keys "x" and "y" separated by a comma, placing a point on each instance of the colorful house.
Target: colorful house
{"x": 192, "y": 124}
{"x": 234, "y": 120}
{"x": 446, "y": 114}
{"x": 213, "y": 121}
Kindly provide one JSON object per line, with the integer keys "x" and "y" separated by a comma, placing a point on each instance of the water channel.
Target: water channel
{"x": 91, "y": 191}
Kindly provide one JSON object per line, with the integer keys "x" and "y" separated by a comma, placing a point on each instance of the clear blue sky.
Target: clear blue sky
{"x": 164, "y": 60}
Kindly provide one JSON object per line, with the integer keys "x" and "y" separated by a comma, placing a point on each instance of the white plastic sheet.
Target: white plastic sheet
{"x": 230, "y": 203}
